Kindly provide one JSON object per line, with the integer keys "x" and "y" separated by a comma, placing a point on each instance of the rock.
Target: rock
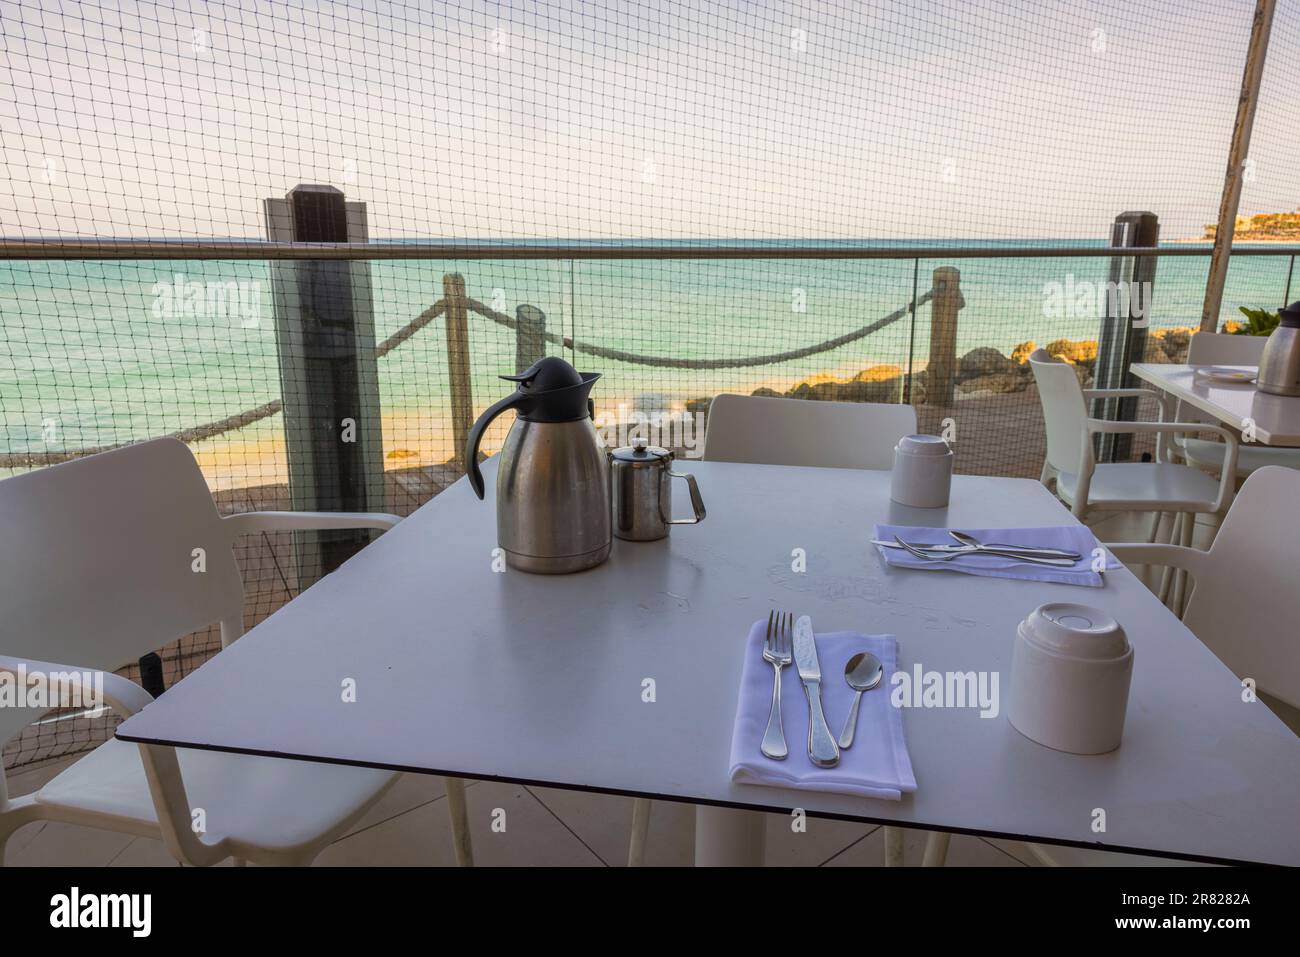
{"x": 1168, "y": 345}
{"x": 1177, "y": 341}
{"x": 882, "y": 383}
{"x": 882, "y": 373}
{"x": 1020, "y": 354}
{"x": 1075, "y": 352}
{"x": 1154, "y": 350}
{"x": 983, "y": 361}
{"x": 766, "y": 392}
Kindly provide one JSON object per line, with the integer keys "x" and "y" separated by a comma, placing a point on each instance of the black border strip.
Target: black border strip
{"x": 679, "y": 799}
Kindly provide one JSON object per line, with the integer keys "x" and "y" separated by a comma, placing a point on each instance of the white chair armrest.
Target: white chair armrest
{"x": 245, "y": 522}
{"x": 160, "y": 765}
{"x": 1190, "y": 560}
{"x": 1227, "y": 474}
{"x": 123, "y": 696}
{"x": 1162, "y": 400}
{"x": 1105, "y": 425}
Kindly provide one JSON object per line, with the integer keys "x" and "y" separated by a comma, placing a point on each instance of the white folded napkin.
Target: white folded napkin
{"x": 877, "y": 766}
{"x": 1072, "y": 538}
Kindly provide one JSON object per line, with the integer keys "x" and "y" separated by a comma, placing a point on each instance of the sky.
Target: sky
{"x": 937, "y": 119}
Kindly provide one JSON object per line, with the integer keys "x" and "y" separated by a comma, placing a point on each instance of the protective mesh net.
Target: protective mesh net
{"x": 908, "y": 125}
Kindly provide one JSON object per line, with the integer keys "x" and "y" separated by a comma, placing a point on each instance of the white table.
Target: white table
{"x": 1276, "y": 417}
{"x": 538, "y": 680}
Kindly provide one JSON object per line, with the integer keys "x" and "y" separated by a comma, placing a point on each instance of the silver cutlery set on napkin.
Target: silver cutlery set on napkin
{"x": 968, "y": 545}
{"x": 792, "y": 640}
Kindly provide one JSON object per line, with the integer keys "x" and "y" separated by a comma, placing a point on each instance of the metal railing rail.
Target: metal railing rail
{"x": 95, "y": 249}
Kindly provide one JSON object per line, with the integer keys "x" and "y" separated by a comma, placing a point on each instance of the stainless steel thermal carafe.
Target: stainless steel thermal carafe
{"x": 553, "y": 513}
{"x": 1279, "y": 367}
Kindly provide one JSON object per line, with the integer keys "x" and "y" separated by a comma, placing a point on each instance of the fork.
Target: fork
{"x": 778, "y": 649}
{"x": 949, "y": 556}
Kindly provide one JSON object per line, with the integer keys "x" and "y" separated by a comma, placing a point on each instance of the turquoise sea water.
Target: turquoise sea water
{"x": 101, "y": 352}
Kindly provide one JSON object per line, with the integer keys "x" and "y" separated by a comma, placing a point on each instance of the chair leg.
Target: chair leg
{"x": 1181, "y": 579}
{"x": 1167, "y": 577}
{"x": 640, "y": 830}
{"x": 893, "y": 847}
{"x": 936, "y": 849}
{"x": 459, "y": 822}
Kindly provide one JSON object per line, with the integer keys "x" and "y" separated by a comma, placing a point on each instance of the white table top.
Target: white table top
{"x": 538, "y": 679}
{"x": 1276, "y": 417}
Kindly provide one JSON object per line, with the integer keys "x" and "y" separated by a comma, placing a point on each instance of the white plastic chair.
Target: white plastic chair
{"x": 773, "y": 431}
{"x": 1159, "y": 486}
{"x": 100, "y": 563}
{"x": 1213, "y": 348}
{"x": 1245, "y": 605}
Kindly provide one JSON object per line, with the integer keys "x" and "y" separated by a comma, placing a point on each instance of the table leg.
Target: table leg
{"x": 640, "y": 831}
{"x": 936, "y": 849}
{"x": 893, "y": 847}
{"x": 456, "y": 807}
{"x": 725, "y": 837}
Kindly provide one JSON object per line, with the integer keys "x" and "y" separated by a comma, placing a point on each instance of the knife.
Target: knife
{"x": 1017, "y": 549}
{"x": 822, "y": 749}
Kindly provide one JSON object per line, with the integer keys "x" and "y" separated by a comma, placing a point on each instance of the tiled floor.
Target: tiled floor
{"x": 514, "y": 825}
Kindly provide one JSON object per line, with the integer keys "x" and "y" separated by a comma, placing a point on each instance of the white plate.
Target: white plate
{"x": 1226, "y": 374}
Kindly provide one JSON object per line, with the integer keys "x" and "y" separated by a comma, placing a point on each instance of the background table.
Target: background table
{"x": 1276, "y": 417}
{"x": 534, "y": 679}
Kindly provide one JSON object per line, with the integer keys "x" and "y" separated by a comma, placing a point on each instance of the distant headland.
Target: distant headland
{"x": 1263, "y": 228}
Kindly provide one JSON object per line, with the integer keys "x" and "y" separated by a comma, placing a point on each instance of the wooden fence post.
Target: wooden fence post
{"x": 943, "y": 335}
{"x": 530, "y": 336}
{"x": 462, "y": 400}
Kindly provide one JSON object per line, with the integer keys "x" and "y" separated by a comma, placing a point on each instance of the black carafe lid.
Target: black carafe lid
{"x": 551, "y": 390}
{"x": 1290, "y": 315}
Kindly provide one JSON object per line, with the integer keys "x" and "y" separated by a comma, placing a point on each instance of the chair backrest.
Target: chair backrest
{"x": 1065, "y": 412}
{"x": 98, "y": 561}
{"x": 1216, "y": 348}
{"x": 1247, "y": 609}
{"x": 773, "y": 431}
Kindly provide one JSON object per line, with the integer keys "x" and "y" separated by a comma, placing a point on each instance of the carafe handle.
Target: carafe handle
{"x": 697, "y": 503}
{"x": 512, "y": 401}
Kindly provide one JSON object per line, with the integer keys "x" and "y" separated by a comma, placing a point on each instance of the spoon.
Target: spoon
{"x": 862, "y": 672}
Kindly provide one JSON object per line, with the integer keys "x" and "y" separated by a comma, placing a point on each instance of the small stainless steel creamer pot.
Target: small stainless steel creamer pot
{"x": 642, "y": 492}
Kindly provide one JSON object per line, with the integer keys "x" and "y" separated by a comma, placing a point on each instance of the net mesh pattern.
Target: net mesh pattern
{"x": 910, "y": 125}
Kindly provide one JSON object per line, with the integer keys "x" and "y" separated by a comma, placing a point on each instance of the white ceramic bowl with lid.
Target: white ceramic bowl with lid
{"x": 1070, "y": 675}
{"x": 922, "y": 474}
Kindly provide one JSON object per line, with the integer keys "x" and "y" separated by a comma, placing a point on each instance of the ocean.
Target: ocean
{"x": 101, "y": 352}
